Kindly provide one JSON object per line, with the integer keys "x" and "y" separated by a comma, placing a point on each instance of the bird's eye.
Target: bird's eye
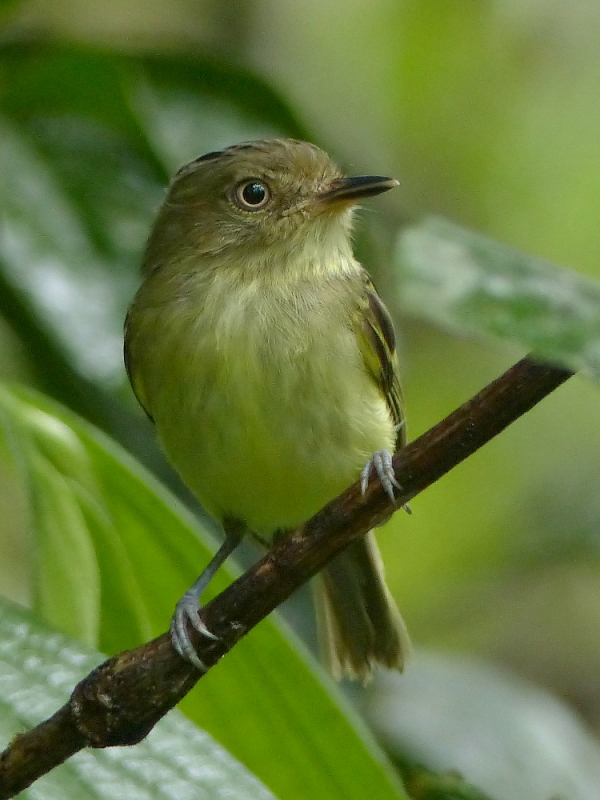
{"x": 252, "y": 195}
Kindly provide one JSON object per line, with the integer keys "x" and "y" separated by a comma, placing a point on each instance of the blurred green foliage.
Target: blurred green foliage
{"x": 488, "y": 114}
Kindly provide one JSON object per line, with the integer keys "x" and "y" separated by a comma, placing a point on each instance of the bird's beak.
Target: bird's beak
{"x": 347, "y": 191}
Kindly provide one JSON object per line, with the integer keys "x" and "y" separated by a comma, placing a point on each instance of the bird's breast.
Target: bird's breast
{"x": 276, "y": 413}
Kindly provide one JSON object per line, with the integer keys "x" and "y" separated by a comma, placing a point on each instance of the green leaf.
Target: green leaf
{"x": 88, "y": 141}
{"x": 266, "y": 701}
{"x": 187, "y": 107}
{"x": 509, "y": 739}
{"x": 38, "y": 670}
{"x": 473, "y": 285}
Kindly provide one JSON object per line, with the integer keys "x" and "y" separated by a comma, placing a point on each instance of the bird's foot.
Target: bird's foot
{"x": 187, "y": 611}
{"x": 381, "y": 462}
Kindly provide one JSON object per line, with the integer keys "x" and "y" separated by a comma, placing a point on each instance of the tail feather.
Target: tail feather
{"x": 359, "y": 623}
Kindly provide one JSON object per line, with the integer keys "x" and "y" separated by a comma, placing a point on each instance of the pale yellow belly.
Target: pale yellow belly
{"x": 267, "y": 430}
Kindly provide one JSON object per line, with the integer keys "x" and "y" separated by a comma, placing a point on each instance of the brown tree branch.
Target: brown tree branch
{"x": 122, "y": 699}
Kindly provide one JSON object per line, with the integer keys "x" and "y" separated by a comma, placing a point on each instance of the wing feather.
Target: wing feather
{"x": 377, "y": 340}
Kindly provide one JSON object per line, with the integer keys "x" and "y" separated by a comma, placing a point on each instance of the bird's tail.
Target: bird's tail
{"x": 359, "y": 623}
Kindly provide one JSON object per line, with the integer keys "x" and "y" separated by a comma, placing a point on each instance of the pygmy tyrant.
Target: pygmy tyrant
{"x": 261, "y": 350}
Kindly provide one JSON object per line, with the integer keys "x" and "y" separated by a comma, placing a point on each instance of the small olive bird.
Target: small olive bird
{"x": 260, "y": 349}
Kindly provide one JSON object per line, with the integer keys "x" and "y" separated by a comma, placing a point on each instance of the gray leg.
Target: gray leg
{"x": 188, "y": 608}
{"x": 381, "y": 462}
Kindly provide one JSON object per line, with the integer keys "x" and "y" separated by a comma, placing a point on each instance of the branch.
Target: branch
{"x": 120, "y": 701}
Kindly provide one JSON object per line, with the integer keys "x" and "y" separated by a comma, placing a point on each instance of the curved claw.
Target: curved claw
{"x": 381, "y": 462}
{"x": 187, "y": 611}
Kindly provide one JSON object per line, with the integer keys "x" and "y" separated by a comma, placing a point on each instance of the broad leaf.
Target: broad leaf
{"x": 469, "y": 284}
{"x": 510, "y": 739}
{"x": 118, "y": 551}
{"x": 38, "y": 670}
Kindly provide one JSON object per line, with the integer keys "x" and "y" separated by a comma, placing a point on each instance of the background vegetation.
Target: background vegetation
{"x": 488, "y": 114}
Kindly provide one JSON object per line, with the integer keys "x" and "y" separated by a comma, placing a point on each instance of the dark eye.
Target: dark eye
{"x": 252, "y": 195}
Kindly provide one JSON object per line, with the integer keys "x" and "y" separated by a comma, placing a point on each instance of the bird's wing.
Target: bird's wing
{"x": 377, "y": 341}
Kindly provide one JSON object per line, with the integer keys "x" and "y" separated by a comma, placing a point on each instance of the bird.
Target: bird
{"x": 262, "y": 352}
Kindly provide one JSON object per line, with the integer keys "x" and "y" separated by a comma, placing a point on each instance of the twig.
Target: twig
{"x": 122, "y": 699}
